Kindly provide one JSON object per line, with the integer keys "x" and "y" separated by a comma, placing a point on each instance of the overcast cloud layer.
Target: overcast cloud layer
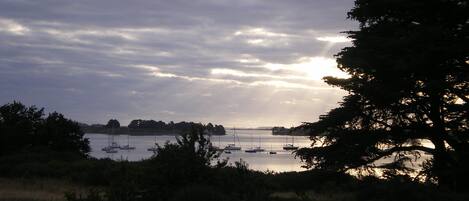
{"x": 243, "y": 63}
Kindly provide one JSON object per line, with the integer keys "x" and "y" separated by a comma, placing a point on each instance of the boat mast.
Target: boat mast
{"x": 234, "y": 136}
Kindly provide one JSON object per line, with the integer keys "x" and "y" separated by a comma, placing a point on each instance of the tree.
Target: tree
{"x": 178, "y": 164}
{"x": 192, "y": 149}
{"x": 23, "y": 128}
{"x": 113, "y": 123}
{"x": 18, "y": 125}
{"x": 408, "y": 84}
{"x": 61, "y": 134}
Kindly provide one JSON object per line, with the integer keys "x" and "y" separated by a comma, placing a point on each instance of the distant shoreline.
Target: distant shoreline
{"x": 135, "y": 134}
{"x": 259, "y": 129}
{"x": 143, "y": 133}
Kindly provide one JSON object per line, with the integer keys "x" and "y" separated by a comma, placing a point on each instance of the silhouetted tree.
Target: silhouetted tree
{"x": 209, "y": 127}
{"x": 409, "y": 82}
{"x": 18, "y": 126}
{"x": 113, "y": 123}
{"x": 152, "y": 125}
{"x": 22, "y": 128}
{"x": 61, "y": 134}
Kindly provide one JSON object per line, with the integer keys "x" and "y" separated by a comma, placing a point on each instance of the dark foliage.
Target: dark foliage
{"x": 409, "y": 83}
{"x": 25, "y": 128}
{"x": 113, "y": 123}
{"x": 183, "y": 126}
{"x": 151, "y": 127}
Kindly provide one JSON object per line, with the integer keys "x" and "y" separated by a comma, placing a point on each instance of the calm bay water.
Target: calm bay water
{"x": 280, "y": 162}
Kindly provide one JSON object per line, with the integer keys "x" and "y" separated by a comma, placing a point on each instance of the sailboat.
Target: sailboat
{"x": 154, "y": 148}
{"x": 114, "y": 144}
{"x": 111, "y": 146}
{"x": 259, "y": 148}
{"x": 255, "y": 149}
{"x": 109, "y": 150}
{"x": 250, "y": 150}
{"x": 291, "y": 146}
{"x": 233, "y": 147}
{"x": 127, "y": 147}
{"x": 272, "y": 151}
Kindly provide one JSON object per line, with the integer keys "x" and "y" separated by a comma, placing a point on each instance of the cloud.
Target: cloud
{"x": 197, "y": 60}
{"x": 334, "y": 39}
{"x": 12, "y": 27}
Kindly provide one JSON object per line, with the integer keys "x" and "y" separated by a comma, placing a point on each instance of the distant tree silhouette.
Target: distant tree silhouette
{"x": 23, "y": 128}
{"x": 152, "y": 125}
{"x": 409, "y": 82}
{"x": 113, "y": 123}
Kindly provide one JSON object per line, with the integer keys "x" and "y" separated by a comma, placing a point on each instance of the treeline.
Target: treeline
{"x": 289, "y": 131}
{"x": 151, "y": 127}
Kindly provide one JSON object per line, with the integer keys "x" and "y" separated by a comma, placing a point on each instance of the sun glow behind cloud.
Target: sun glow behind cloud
{"x": 312, "y": 67}
{"x": 334, "y": 39}
{"x": 319, "y": 67}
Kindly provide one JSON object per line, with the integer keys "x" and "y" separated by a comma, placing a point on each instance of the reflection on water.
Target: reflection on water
{"x": 280, "y": 162}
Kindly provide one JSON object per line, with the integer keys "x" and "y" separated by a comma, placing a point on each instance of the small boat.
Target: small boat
{"x": 111, "y": 147}
{"x": 154, "y": 148}
{"x": 127, "y": 147}
{"x": 232, "y": 147}
{"x": 250, "y": 150}
{"x": 114, "y": 145}
{"x": 227, "y": 152}
{"x": 255, "y": 150}
{"x": 271, "y": 151}
{"x": 109, "y": 150}
{"x": 258, "y": 149}
{"x": 290, "y": 147}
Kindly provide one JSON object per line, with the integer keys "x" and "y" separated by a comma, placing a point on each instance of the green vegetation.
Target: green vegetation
{"x": 409, "y": 83}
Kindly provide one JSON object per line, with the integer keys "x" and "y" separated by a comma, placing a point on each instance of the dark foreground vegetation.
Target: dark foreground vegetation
{"x": 187, "y": 170}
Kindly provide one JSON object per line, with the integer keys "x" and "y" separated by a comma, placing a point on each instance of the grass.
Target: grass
{"x": 37, "y": 189}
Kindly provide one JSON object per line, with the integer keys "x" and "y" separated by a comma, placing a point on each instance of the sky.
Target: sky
{"x": 244, "y": 63}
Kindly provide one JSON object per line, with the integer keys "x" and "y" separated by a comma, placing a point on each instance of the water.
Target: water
{"x": 262, "y": 161}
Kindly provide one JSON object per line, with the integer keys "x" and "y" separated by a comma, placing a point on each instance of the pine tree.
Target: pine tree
{"x": 409, "y": 83}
